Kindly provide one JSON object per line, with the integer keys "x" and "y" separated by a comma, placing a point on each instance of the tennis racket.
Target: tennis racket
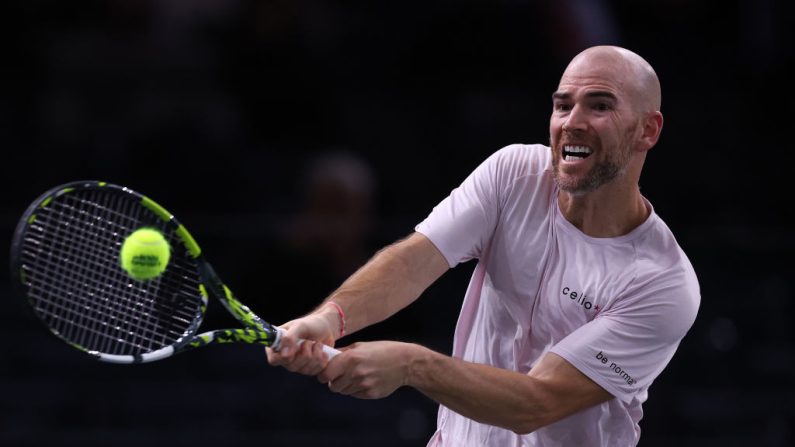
{"x": 65, "y": 259}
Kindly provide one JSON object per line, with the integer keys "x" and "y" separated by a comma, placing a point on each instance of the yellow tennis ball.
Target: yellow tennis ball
{"x": 144, "y": 254}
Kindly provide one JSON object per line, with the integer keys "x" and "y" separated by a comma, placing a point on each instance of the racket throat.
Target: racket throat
{"x": 240, "y": 311}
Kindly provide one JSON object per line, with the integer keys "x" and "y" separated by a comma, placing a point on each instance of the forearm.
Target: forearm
{"x": 483, "y": 393}
{"x": 390, "y": 281}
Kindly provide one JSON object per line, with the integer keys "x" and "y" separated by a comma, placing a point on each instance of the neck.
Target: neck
{"x": 610, "y": 211}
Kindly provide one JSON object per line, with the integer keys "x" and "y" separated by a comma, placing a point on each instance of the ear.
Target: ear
{"x": 650, "y": 133}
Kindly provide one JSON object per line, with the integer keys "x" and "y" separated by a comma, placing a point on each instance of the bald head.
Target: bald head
{"x": 628, "y": 70}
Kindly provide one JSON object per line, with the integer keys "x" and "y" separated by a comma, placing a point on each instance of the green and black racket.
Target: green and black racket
{"x": 65, "y": 257}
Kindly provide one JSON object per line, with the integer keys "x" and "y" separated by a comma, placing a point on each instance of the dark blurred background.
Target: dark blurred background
{"x": 296, "y": 137}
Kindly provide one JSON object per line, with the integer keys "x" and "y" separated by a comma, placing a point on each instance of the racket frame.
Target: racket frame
{"x": 255, "y": 330}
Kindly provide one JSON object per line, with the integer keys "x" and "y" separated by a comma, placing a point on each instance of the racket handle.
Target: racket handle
{"x": 330, "y": 352}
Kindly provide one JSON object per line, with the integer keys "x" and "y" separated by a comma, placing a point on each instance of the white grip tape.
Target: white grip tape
{"x": 330, "y": 352}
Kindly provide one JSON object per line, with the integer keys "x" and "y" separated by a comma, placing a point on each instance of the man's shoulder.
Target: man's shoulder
{"x": 518, "y": 161}
{"x": 532, "y": 157}
{"x": 659, "y": 245}
{"x": 661, "y": 261}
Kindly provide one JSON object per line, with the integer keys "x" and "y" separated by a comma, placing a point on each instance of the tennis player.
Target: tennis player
{"x": 580, "y": 297}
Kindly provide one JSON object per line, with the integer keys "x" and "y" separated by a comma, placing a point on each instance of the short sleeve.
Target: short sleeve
{"x": 461, "y": 225}
{"x": 625, "y": 348}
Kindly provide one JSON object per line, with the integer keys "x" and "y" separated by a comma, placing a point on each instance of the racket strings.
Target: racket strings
{"x": 61, "y": 241}
{"x": 115, "y": 318}
{"x": 70, "y": 257}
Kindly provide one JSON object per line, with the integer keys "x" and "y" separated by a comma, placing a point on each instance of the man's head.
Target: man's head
{"x": 605, "y": 117}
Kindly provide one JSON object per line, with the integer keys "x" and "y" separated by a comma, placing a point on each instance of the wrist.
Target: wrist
{"x": 334, "y": 316}
{"x": 417, "y": 360}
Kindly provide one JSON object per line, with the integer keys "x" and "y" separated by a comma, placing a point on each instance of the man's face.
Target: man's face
{"x": 593, "y": 127}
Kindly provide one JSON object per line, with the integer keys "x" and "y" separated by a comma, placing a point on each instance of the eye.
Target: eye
{"x": 561, "y": 107}
{"x": 602, "y": 107}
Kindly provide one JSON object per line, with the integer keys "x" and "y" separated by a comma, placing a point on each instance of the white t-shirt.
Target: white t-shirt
{"x": 615, "y": 308}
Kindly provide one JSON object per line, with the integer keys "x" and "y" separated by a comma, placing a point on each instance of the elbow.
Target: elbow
{"x": 525, "y": 428}
{"x": 531, "y": 418}
{"x": 527, "y": 424}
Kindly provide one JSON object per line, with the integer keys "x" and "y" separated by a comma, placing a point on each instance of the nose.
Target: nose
{"x": 575, "y": 120}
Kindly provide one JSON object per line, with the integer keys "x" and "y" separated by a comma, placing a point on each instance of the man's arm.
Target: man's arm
{"x": 390, "y": 281}
{"x": 552, "y": 390}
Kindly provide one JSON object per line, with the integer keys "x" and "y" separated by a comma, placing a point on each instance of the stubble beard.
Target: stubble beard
{"x": 603, "y": 172}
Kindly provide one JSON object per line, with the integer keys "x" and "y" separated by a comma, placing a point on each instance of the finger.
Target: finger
{"x": 278, "y": 358}
{"x": 340, "y": 385}
{"x": 348, "y": 380}
{"x": 319, "y": 354}
{"x": 293, "y": 359}
{"x": 316, "y": 359}
{"x": 348, "y": 386}
{"x": 301, "y": 358}
{"x": 274, "y": 359}
{"x": 366, "y": 393}
{"x": 284, "y": 353}
{"x": 288, "y": 340}
{"x": 334, "y": 368}
{"x": 313, "y": 360}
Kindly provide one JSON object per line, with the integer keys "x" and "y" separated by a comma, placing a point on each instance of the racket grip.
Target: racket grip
{"x": 330, "y": 352}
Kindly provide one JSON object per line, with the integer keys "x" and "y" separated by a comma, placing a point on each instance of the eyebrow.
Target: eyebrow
{"x": 591, "y": 94}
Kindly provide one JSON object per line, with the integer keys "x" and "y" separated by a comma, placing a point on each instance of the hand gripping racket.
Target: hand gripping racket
{"x": 65, "y": 257}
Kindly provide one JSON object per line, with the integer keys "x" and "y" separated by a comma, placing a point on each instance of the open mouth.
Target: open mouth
{"x": 574, "y": 153}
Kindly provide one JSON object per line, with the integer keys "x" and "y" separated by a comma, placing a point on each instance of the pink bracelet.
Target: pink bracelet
{"x": 341, "y": 314}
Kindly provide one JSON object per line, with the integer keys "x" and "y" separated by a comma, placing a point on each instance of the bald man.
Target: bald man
{"x": 579, "y": 299}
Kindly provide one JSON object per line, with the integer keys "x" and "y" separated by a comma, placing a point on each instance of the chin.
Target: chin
{"x": 574, "y": 190}
{"x": 576, "y": 186}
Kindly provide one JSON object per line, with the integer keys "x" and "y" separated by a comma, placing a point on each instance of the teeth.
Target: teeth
{"x": 577, "y": 149}
{"x": 568, "y": 157}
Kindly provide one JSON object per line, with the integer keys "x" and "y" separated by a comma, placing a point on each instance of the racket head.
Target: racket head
{"x": 65, "y": 259}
